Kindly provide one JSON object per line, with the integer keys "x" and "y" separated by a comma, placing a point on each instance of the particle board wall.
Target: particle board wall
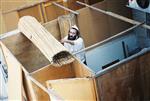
{"x": 53, "y": 28}
{"x": 94, "y": 26}
{"x": 52, "y": 12}
{"x": 51, "y": 73}
{"x": 25, "y": 52}
{"x": 120, "y": 8}
{"x": 78, "y": 89}
{"x": 145, "y": 76}
{"x": 10, "y": 20}
{"x": 129, "y": 81}
{"x": 32, "y": 11}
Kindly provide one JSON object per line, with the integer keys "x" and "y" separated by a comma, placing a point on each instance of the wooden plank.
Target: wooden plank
{"x": 44, "y": 12}
{"x": 14, "y": 75}
{"x": 77, "y": 89}
{"x": 65, "y": 23}
{"x": 41, "y": 13}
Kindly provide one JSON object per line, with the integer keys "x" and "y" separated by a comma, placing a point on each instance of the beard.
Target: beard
{"x": 72, "y": 37}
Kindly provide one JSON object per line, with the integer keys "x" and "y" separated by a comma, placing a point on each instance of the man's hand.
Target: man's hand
{"x": 66, "y": 41}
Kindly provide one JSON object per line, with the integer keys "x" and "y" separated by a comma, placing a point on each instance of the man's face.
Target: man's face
{"x": 72, "y": 34}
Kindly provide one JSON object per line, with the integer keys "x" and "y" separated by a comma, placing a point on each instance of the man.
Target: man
{"x": 73, "y": 42}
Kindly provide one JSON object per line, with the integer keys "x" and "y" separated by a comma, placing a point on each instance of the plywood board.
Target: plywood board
{"x": 52, "y": 73}
{"x": 81, "y": 70}
{"x": 94, "y": 26}
{"x": 25, "y": 52}
{"x": 129, "y": 81}
{"x": 145, "y": 76}
{"x": 32, "y": 11}
{"x": 14, "y": 75}
{"x": 9, "y": 23}
{"x": 53, "y": 28}
{"x": 118, "y": 7}
{"x": 52, "y": 11}
{"x": 77, "y": 89}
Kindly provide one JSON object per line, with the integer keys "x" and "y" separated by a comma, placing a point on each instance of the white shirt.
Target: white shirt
{"x": 78, "y": 45}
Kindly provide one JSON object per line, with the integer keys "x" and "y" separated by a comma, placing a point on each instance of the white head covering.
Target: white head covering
{"x": 74, "y": 26}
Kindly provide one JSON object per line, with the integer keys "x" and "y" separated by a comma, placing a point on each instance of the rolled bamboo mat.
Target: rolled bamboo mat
{"x": 65, "y": 22}
{"x": 44, "y": 41}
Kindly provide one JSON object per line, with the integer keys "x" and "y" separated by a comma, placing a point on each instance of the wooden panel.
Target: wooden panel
{"x": 118, "y": 7}
{"x": 51, "y": 73}
{"x": 27, "y": 54}
{"x": 32, "y": 11}
{"x": 129, "y": 82}
{"x": 52, "y": 11}
{"x": 93, "y": 25}
{"x": 53, "y": 28}
{"x": 11, "y": 20}
{"x": 78, "y": 89}
{"x": 14, "y": 75}
{"x": 7, "y": 5}
{"x": 145, "y": 76}
{"x": 81, "y": 70}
